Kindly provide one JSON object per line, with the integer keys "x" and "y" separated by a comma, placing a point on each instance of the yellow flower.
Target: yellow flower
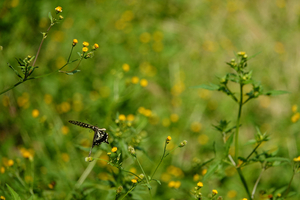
{"x": 2, "y": 170}
{"x": 130, "y": 117}
{"x": 200, "y": 184}
{"x": 58, "y": 9}
{"x": 48, "y": 98}
{"x": 65, "y": 157}
{"x": 75, "y": 41}
{"x": 171, "y": 184}
{"x": 294, "y": 108}
{"x": 177, "y": 184}
{"x": 125, "y": 67}
{"x": 114, "y": 149}
{"x": 168, "y": 139}
{"x": 196, "y": 177}
{"x": 204, "y": 171}
{"x": 244, "y": 199}
{"x": 174, "y": 117}
{"x": 65, "y": 130}
{"x": 134, "y": 181}
{"x": 26, "y": 154}
{"x": 144, "y": 82}
{"x": 297, "y": 159}
{"x": 85, "y": 49}
{"x": 147, "y": 113}
{"x": 96, "y": 46}
{"x": 35, "y": 113}
{"x": 295, "y": 117}
{"x": 2, "y": 198}
{"x": 135, "y": 80}
{"x": 145, "y": 37}
{"x": 214, "y": 192}
{"x": 85, "y": 44}
{"x": 10, "y": 163}
{"x": 196, "y": 127}
{"x": 122, "y": 117}
{"x": 241, "y": 53}
{"x": 61, "y": 17}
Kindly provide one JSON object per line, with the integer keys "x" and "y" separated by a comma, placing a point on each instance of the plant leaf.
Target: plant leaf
{"x": 228, "y": 144}
{"x": 272, "y": 159}
{"x": 211, "y": 170}
{"x": 275, "y": 92}
{"x": 13, "y": 193}
{"x": 50, "y": 17}
{"x": 208, "y": 87}
{"x": 158, "y": 181}
{"x": 17, "y": 73}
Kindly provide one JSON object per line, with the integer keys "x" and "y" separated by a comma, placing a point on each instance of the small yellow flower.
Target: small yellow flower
{"x": 297, "y": 159}
{"x": 214, "y": 192}
{"x": 171, "y": 184}
{"x": 174, "y": 117}
{"x": 145, "y": 37}
{"x": 27, "y": 154}
{"x": 85, "y": 44}
{"x": 168, "y": 139}
{"x": 295, "y": 117}
{"x": 114, "y": 149}
{"x": 196, "y": 177}
{"x": 125, "y": 67}
{"x": 200, "y": 184}
{"x": 241, "y": 53}
{"x": 177, "y": 184}
{"x": 134, "y": 181}
{"x": 96, "y": 46}
{"x": 65, "y": 130}
{"x": 294, "y": 108}
{"x": 2, "y": 198}
{"x": 203, "y": 172}
{"x": 196, "y": 127}
{"x": 65, "y": 157}
{"x": 2, "y": 170}
{"x": 147, "y": 113}
{"x": 10, "y": 163}
{"x": 75, "y": 41}
{"x": 89, "y": 159}
{"x": 122, "y": 117}
{"x": 61, "y": 17}
{"x": 35, "y": 113}
{"x": 244, "y": 199}
{"x": 130, "y": 117}
{"x": 135, "y": 80}
{"x": 85, "y": 49}
{"x": 144, "y": 82}
{"x": 58, "y": 9}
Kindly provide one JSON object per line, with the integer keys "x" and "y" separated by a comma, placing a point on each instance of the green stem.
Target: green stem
{"x": 288, "y": 188}
{"x": 145, "y": 177}
{"x": 231, "y": 94}
{"x": 160, "y": 160}
{"x": 12, "y": 87}
{"x": 238, "y": 124}
{"x": 128, "y": 192}
{"x": 244, "y": 182}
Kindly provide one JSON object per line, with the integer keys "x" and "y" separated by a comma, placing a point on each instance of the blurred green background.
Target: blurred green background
{"x": 172, "y": 44}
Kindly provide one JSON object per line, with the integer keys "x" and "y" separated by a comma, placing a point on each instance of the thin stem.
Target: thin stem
{"x": 128, "y": 191}
{"x": 145, "y": 177}
{"x": 238, "y": 124}
{"x": 231, "y": 94}
{"x": 289, "y": 186}
{"x": 244, "y": 182}
{"x": 72, "y": 69}
{"x": 257, "y": 181}
{"x": 253, "y": 151}
{"x": 15, "y": 85}
{"x": 160, "y": 160}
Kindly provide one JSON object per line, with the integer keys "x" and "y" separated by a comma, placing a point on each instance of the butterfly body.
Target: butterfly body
{"x": 99, "y": 133}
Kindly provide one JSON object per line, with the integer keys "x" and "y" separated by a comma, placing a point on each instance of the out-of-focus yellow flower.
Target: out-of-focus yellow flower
{"x": 96, "y": 46}
{"x": 166, "y": 122}
{"x": 10, "y": 163}
{"x": 168, "y": 139}
{"x": 125, "y": 67}
{"x": 134, "y": 181}
{"x": 177, "y": 172}
{"x": 114, "y": 149}
{"x": 127, "y": 15}
{"x": 297, "y": 159}
{"x": 158, "y": 36}
{"x": 65, "y": 107}
{"x": 244, "y": 199}
{"x": 295, "y": 117}
{"x": 196, "y": 177}
{"x": 85, "y": 44}
{"x": 231, "y": 194}
{"x": 196, "y": 127}
{"x": 5, "y": 101}
{"x": 174, "y": 184}
{"x": 279, "y": 48}
{"x": 144, "y": 82}
{"x": 174, "y": 117}
{"x": 35, "y": 113}
{"x": 65, "y": 157}
{"x": 28, "y": 179}
{"x": 130, "y": 117}
{"x": 75, "y": 41}
{"x": 65, "y": 130}
{"x": 147, "y": 113}
{"x": 199, "y": 184}
{"x": 48, "y": 98}
{"x": 203, "y": 139}
{"x": 145, "y": 37}
{"x": 294, "y": 108}
{"x": 58, "y": 9}
{"x": 214, "y": 192}
{"x": 23, "y": 101}
{"x": 141, "y": 110}
{"x": 135, "y": 80}
{"x": 85, "y": 49}
{"x": 122, "y": 117}
{"x": 27, "y": 153}
{"x": 2, "y": 198}
{"x": 241, "y": 53}
{"x": 203, "y": 172}
{"x": 2, "y": 170}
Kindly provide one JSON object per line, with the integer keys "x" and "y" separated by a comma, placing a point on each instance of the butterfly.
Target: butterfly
{"x": 99, "y": 136}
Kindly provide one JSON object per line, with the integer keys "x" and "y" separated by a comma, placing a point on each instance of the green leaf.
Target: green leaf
{"x": 211, "y": 170}
{"x": 208, "y": 87}
{"x": 272, "y": 159}
{"x": 31, "y": 69}
{"x": 228, "y": 144}
{"x": 20, "y": 61}
{"x": 50, "y": 17}
{"x": 158, "y": 181}
{"x": 73, "y": 72}
{"x": 13, "y": 193}
{"x": 79, "y": 54}
{"x": 17, "y": 73}
{"x": 276, "y": 92}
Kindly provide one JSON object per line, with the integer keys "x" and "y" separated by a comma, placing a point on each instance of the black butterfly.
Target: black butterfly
{"x": 99, "y": 136}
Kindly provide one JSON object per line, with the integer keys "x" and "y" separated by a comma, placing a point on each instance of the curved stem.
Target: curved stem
{"x": 244, "y": 182}
{"x": 238, "y": 124}
{"x": 160, "y": 160}
{"x": 257, "y": 181}
{"x": 145, "y": 177}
